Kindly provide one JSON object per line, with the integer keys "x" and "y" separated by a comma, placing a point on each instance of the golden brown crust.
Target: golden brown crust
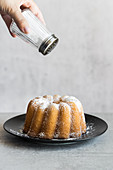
{"x": 36, "y": 122}
{"x": 29, "y": 116}
{"x": 64, "y": 121}
{"x": 49, "y": 123}
{"x": 75, "y": 120}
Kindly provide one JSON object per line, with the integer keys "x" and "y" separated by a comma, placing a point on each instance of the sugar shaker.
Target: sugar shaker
{"x": 39, "y": 36}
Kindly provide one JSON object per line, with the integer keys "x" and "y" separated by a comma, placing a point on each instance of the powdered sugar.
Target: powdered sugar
{"x": 75, "y": 100}
{"x": 63, "y": 98}
{"x": 48, "y": 99}
{"x": 44, "y": 105}
{"x": 65, "y": 105}
{"x": 56, "y": 98}
{"x": 55, "y": 105}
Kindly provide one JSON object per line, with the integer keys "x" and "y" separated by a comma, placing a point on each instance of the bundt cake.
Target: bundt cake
{"x": 55, "y": 117}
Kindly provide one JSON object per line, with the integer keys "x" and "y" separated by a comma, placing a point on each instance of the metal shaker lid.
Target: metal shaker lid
{"x": 48, "y": 45}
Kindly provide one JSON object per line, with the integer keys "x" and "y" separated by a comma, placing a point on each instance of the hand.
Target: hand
{"x": 11, "y": 9}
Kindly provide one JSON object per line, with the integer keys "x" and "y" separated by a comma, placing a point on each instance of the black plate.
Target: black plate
{"x": 95, "y": 127}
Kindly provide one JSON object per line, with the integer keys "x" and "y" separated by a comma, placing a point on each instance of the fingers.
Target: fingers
{"x": 20, "y": 21}
{"x": 35, "y": 9}
{"x": 16, "y": 14}
{"x": 7, "y": 19}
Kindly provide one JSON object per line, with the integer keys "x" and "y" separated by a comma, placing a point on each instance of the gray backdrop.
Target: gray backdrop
{"x": 81, "y": 65}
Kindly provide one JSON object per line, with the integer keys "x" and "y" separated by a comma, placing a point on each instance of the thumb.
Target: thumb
{"x": 20, "y": 21}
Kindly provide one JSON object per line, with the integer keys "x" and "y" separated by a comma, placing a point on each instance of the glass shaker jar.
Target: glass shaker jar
{"x": 38, "y": 36}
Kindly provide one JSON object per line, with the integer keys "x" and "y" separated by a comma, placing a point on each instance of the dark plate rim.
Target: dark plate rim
{"x": 70, "y": 140}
